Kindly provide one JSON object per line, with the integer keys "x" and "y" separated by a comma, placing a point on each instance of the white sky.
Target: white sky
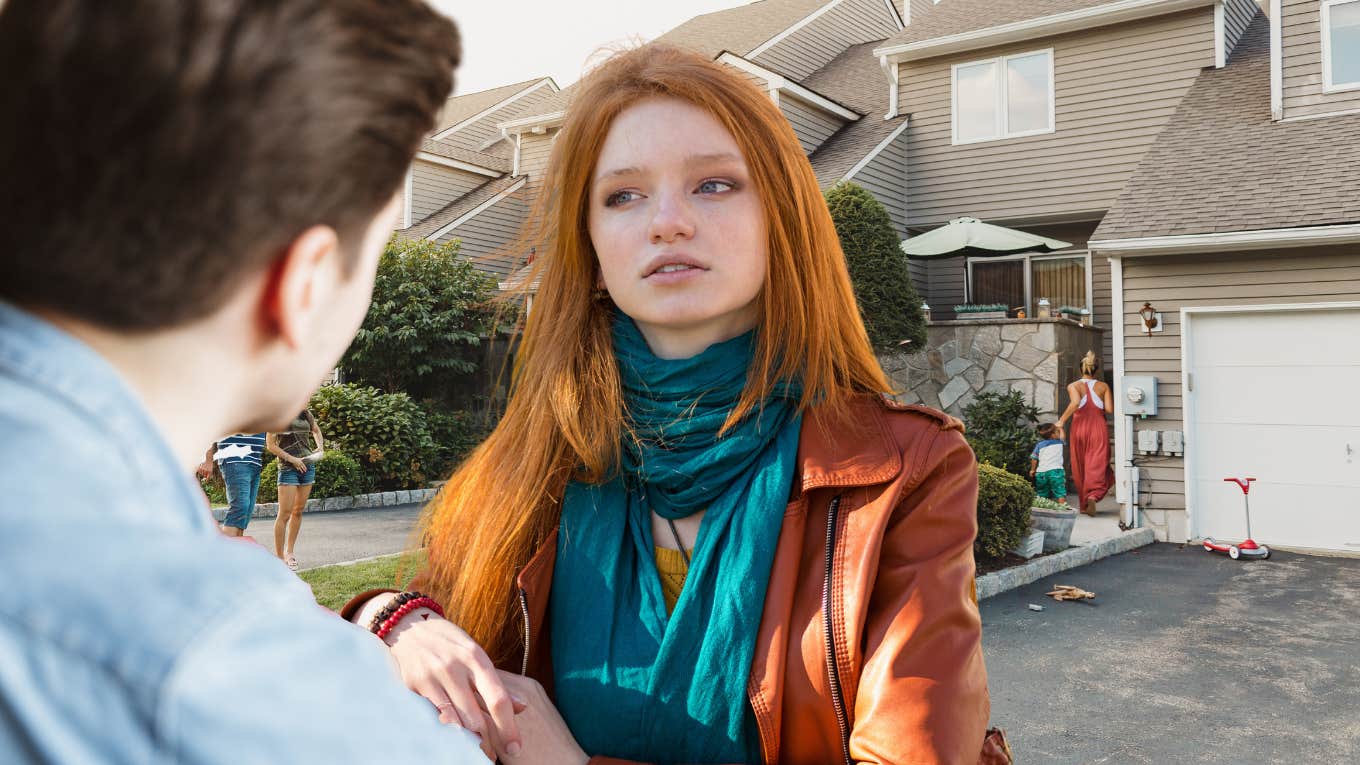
{"x": 507, "y": 41}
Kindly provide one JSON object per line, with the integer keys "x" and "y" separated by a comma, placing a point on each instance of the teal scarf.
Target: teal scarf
{"x": 631, "y": 682}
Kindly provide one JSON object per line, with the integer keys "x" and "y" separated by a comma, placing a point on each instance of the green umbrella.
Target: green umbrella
{"x": 970, "y": 236}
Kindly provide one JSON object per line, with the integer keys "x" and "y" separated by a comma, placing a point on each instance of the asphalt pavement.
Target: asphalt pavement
{"x": 1183, "y": 657}
{"x": 345, "y": 535}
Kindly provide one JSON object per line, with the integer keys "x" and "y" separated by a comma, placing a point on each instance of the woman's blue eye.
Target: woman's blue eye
{"x": 618, "y": 198}
{"x": 714, "y": 187}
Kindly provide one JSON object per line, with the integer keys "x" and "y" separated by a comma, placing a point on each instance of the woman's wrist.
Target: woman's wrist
{"x": 364, "y": 616}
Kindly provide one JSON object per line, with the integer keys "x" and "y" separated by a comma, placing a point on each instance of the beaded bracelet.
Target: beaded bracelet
{"x": 406, "y": 608}
{"x": 386, "y": 612}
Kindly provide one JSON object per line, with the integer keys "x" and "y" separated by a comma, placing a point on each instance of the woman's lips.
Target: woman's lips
{"x": 675, "y": 274}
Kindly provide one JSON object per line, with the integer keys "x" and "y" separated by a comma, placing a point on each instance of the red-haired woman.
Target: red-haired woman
{"x": 700, "y": 531}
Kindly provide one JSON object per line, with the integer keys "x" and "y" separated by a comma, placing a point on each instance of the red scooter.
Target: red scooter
{"x": 1248, "y": 547}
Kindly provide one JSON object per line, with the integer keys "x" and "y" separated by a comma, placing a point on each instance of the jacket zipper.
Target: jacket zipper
{"x": 832, "y": 670}
{"x": 524, "y": 609}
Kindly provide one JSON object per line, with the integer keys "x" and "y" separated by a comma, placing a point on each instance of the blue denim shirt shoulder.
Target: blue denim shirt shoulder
{"x": 130, "y": 630}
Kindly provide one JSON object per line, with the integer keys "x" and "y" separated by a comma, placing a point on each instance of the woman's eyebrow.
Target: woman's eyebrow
{"x": 690, "y": 161}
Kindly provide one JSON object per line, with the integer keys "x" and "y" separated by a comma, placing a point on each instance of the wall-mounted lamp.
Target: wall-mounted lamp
{"x": 1151, "y": 319}
{"x": 925, "y": 311}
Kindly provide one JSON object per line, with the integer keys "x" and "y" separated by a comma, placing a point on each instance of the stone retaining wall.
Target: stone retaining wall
{"x": 1038, "y": 357}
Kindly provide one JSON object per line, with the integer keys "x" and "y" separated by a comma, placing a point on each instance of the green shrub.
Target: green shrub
{"x": 386, "y": 433}
{"x": 214, "y": 488}
{"x": 430, "y": 309}
{"x": 1001, "y": 429}
{"x": 269, "y": 483}
{"x": 1004, "y": 500}
{"x": 455, "y": 433}
{"x": 888, "y": 302}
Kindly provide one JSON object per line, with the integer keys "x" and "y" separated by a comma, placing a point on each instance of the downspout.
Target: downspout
{"x": 1125, "y": 490}
{"x": 1276, "y": 62}
{"x": 890, "y": 69}
{"x": 406, "y": 189}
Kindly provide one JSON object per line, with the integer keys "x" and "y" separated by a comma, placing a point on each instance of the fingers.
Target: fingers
{"x": 500, "y": 705}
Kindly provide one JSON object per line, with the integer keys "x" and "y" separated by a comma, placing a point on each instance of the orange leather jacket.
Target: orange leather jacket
{"x": 869, "y": 648}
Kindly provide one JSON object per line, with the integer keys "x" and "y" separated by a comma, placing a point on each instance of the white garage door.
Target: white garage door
{"x": 1277, "y": 396}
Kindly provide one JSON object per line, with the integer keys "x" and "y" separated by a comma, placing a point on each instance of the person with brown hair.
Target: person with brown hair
{"x": 195, "y": 196}
{"x": 700, "y": 533}
{"x": 297, "y": 450}
{"x": 1090, "y": 403}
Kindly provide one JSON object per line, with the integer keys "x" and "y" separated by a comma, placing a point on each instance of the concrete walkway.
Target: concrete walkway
{"x": 1183, "y": 657}
{"x": 345, "y": 535}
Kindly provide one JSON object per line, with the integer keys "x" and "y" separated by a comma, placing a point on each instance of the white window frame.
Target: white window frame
{"x": 1001, "y": 98}
{"x": 1327, "y": 85}
{"x": 1031, "y": 300}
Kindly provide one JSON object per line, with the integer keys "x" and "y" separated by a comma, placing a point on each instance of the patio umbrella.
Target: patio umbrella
{"x": 970, "y": 236}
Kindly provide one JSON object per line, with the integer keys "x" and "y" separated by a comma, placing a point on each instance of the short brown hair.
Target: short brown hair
{"x": 155, "y": 153}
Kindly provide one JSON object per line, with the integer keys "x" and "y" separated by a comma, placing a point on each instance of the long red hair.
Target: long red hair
{"x": 564, "y": 417}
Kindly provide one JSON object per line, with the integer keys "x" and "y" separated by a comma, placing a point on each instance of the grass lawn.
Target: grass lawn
{"x": 333, "y": 585}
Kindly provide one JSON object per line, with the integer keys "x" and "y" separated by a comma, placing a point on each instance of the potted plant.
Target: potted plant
{"x": 1056, "y": 520}
{"x": 980, "y": 311}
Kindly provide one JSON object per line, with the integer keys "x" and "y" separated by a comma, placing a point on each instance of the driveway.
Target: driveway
{"x": 345, "y": 535}
{"x": 1184, "y": 657}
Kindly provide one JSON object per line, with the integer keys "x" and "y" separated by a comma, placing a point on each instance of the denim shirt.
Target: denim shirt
{"x": 131, "y": 631}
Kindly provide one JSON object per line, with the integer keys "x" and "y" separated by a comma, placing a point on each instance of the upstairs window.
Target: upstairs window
{"x": 1341, "y": 44}
{"x": 1005, "y": 97}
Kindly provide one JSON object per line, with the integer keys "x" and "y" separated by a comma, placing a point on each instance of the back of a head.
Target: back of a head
{"x": 1090, "y": 363}
{"x": 158, "y": 152}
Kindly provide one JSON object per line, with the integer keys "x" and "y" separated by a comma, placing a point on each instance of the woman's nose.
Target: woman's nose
{"x": 672, "y": 219}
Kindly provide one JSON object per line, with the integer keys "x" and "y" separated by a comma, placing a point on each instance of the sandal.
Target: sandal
{"x": 291, "y": 563}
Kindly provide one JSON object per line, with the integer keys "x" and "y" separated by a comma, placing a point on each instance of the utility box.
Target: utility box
{"x": 1148, "y": 441}
{"x": 1140, "y": 395}
{"x": 1173, "y": 443}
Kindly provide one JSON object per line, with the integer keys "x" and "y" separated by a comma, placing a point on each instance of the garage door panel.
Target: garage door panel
{"x": 1274, "y": 398}
{"x": 1277, "y": 395}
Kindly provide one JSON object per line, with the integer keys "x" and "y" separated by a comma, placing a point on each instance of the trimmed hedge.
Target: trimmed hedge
{"x": 1000, "y": 428}
{"x": 387, "y": 433}
{"x": 1004, "y": 500}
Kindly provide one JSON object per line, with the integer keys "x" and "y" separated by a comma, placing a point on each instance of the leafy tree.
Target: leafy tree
{"x": 386, "y": 433}
{"x": 429, "y": 310}
{"x": 878, "y": 269}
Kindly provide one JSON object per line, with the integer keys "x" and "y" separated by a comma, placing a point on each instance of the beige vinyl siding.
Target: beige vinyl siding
{"x": 810, "y": 47}
{"x": 479, "y": 134}
{"x": 488, "y": 236}
{"x": 1301, "y": 42}
{"x": 1237, "y": 14}
{"x": 812, "y": 125}
{"x": 885, "y": 178}
{"x": 1115, "y": 88}
{"x": 534, "y": 151}
{"x": 1170, "y": 283}
{"x": 433, "y": 186}
{"x": 918, "y": 9}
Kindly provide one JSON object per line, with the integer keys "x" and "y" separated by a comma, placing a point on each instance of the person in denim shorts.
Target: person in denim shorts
{"x": 297, "y": 472}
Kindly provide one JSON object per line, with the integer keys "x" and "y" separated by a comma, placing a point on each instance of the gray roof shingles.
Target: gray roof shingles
{"x": 854, "y": 79}
{"x": 460, "y": 107}
{"x": 741, "y": 29}
{"x": 1221, "y": 164}
{"x": 478, "y": 158}
{"x": 955, "y": 17}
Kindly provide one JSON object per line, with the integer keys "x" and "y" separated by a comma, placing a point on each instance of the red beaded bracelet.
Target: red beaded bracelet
{"x": 406, "y": 608}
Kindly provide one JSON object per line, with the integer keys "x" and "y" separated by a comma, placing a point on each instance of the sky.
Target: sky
{"x": 506, "y": 41}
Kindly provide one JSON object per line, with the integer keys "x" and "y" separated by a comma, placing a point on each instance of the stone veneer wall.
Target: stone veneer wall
{"x": 1038, "y": 357}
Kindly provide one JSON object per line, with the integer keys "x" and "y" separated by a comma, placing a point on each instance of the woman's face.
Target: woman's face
{"x": 677, "y": 226}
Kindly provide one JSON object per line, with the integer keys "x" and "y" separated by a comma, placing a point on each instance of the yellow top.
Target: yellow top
{"x": 670, "y": 564}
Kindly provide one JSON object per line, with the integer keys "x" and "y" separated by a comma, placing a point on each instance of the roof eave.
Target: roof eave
{"x": 1044, "y": 26}
{"x": 1260, "y": 239}
{"x": 537, "y": 123}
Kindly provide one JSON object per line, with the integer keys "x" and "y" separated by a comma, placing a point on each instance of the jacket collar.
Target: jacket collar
{"x": 859, "y": 451}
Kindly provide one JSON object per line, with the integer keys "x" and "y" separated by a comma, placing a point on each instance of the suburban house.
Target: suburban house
{"x": 1240, "y": 230}
{"x": 1201, "y": 158}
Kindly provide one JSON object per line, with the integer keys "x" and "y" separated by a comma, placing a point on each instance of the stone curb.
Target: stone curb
{"x": 998, "y": 582}
{"x": 330, "y": 504}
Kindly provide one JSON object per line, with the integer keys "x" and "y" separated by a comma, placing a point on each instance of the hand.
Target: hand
{"x": 445, "y": 665}
{"x": 204, "y": 470}
{"x": 546, "y": 736}
{"x": 298, "y": 465}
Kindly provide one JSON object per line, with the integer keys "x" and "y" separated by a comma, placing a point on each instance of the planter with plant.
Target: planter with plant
{"x": 1056, "y": 520}
{"x": 980, "y": 311}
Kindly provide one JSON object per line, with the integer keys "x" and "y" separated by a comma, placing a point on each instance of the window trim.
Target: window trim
{"x": 1029, "y": 258}
{"x": 1002, "y": 97}
{"x": 1326, "y": 23}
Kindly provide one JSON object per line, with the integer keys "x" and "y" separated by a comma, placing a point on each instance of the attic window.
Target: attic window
{"x": 1341, "y": 44}
{"x": 1004, "y": 97}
